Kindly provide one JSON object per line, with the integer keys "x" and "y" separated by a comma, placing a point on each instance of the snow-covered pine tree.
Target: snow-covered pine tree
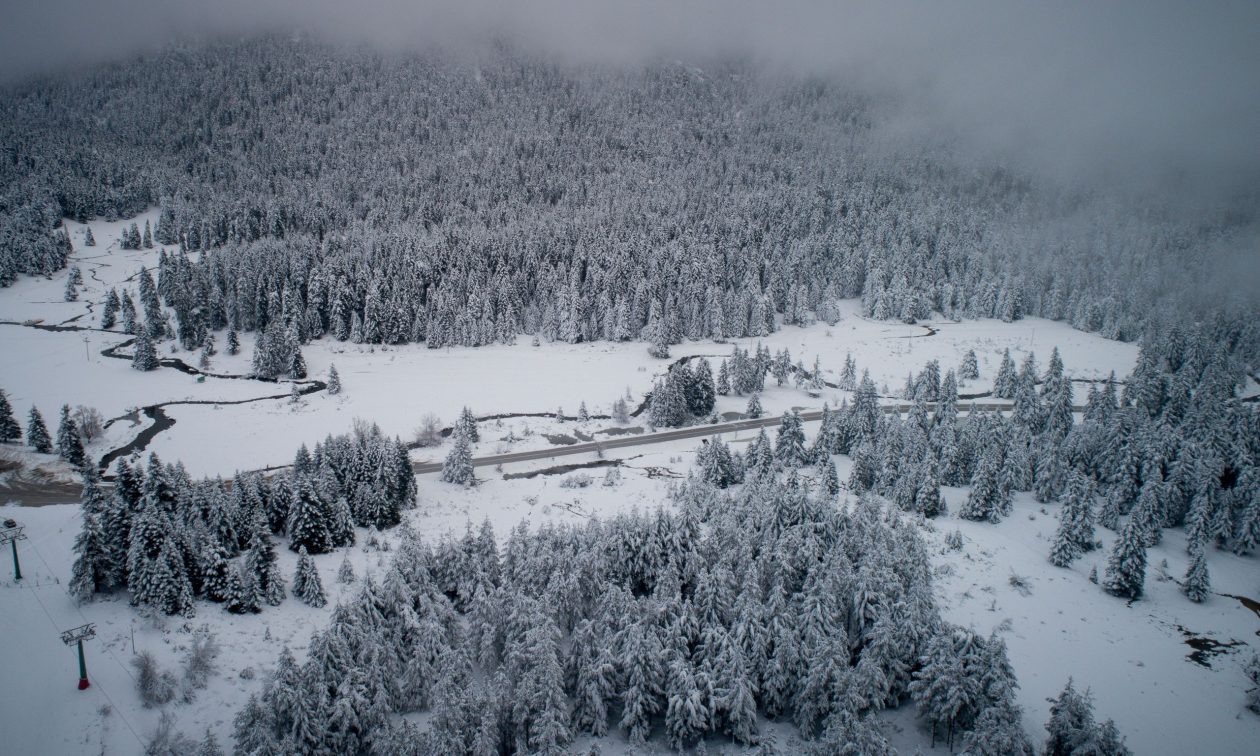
{"x": 1126, "y": 565}
{"x": 88, "y": 239}
{"x": 37, "y": 433}
{"x": 233, "y": 342}
{"x": 69, "y": 442}
{"x": 969, "y": 370}
{"x": 467, "y": 424}
{"x": 92, "y": 570}
{"x": 261, "y": 564}
{"x": 754, "y": 410}
{"x": 1005, "y": 383}
{"x": 984, "y": 501}
{"x": 306, "y": 583}
{"x": 9, "y": 428}
{"x": 310, "y": 518}
{"x": 1197, "y": 585}
{"x": 458, "y": 466}
{"x": 145, "y": 355}
{"x": 789, "y": 444}
{"x": 345, "y": 572}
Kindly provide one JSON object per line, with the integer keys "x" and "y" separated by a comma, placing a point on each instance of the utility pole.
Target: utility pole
{"x": 76, "y": 636}
{"x": 12, "y": 533}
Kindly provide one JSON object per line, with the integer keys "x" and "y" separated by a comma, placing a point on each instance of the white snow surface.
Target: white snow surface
{"x": 1133, "y": 657}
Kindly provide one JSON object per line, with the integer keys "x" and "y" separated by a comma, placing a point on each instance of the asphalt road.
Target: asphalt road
{"x": 661, "y": 437}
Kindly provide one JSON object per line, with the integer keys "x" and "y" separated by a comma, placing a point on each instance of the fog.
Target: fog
{"x": 1151, "y": 92}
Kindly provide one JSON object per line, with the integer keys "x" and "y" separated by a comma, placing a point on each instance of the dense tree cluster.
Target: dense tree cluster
{"x": 170, "y": 540}
{"x": 392, "y": 198}
{"x": 762, "y": 600}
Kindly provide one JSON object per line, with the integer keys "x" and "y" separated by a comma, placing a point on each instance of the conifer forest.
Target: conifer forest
{"x": 580, "y": 378}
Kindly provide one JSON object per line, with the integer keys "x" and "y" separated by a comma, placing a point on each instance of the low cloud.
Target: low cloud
{"x": 1152, "y": 91}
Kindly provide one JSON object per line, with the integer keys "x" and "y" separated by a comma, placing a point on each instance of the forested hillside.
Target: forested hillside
{"x": 405, "y": 198}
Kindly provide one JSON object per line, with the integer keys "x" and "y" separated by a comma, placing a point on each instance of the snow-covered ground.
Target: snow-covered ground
{"x": 395, "y": 386}
{"x": 1133, "y": 657}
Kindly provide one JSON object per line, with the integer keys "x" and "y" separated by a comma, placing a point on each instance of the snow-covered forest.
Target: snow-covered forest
{"x": 821, "y": 388}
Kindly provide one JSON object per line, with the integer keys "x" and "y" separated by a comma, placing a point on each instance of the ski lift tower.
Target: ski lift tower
{"x": 76, "y": 636}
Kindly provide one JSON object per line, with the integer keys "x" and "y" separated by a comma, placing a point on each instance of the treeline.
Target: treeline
{"x": 169, "y": 540}
{"x": 398, "y": 198}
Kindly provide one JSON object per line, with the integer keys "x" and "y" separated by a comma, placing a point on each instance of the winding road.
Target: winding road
{"x": 661, "y": 437}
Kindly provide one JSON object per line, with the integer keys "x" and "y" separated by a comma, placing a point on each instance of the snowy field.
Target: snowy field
{"x": 395, "y": 386}
{"x": 1134, "y": 658}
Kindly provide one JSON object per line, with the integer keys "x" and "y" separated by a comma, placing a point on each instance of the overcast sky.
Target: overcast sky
{"x": 1148, "y": 89}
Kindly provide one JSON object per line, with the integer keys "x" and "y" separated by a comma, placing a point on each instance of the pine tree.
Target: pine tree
{"x": 345, "y": 573}
{"x": 306, "y": 584}
{"x": 310, "y": 519}
{"x": 9, "y": 428}
{"x": 458, "y": 466}
{"x": 1126, "y": 566}
{"x": 92, "y": 569}
{"x": 129, "y": 324}
{"x": 969, "y": 370}
{"x": 334, "y": 381}
{"x": 985, "y": 500}
{"x": 261, "y": 564}
{"x": 297, "y": 366}
{"x": 723, "y": 385}
{"x": 37, "y": 433}
{"x": 789, "y": 444}
{"x": 831, "y": 478}
{"x": 1197, "y": 584}
{"x": 69, "y": 442}
{"x": 1006, "y": 382}
{"x": 467, "y": 424}
{"x": 233, "y": 342}
{"x": 145, "y": 356}
{"x": 754, "y": 410}
{"x": 88, "y": 239}
{"x": 109, "y": 313}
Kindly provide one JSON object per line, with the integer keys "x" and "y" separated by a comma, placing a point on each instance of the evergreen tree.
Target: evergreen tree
{"x": 723, "y": 385}
{"x": 1006, "y": 382}
{"x": 9, "y": 428}
{"x": 306, "y": 584}
{"x": 88, "y": 239}
{"x": 467, "y": 425}
{"x": 969, "y": 370}
{"x": 37, "y": 433}
{"x": 334, "y": 381}
{"x": 700, "y": 392}
{"x": 848, "y": 376}
{"x": 1197, "y": 584}
{"x": 92, "y": 569}
{"x": 345, "y": 573}
{"x": 261, "y": 565}
{"x": 129, "y": 323}
{"x": 985, "y": 500}
{"x": 233, "y": 342}
{"x": 310, "y": 519}
{"x": 145, "y": 356}
{"x": 789, "y": 445}
{"x": 297, "y": 366}
{"x": 69, "y": 442}
{"x": 458, "y": 466}
{"x": 754, "y": 410}
{"x": 1126, "y": 566}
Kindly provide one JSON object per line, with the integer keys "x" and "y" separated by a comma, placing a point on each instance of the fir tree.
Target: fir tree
{"x": 88, "y": 239}
{"x": 1126, "y": 566}
{"x": 969, "y": 370}
{"x": 92, "y": 569}
{"x": 37, "y": 433}
{"x": 345, "y": 573}
{"x": 129, "y": 323}
{"x": 723, "y": 385}
{"x": 9, "y": 428}
{"x": 467, "y": 424}
{"x": 261, "y": 564}
{"x": 306, "y": 584}
{"x": 109, "y": 313}
{"x": 334, "y": 381}
{"x": 69, "y": 442}
{"x": 233, "y": 342}
{"x": 1006, "y": 382}
{"x": 789, "y": 445}
{"x": 458, "y": 465}
{"x": 145, "y": 355}
{"x": 297, "y": 366}
{"x": 1197, "y": 584}
{"x": 754, "y": 407}
{"x": 310, "y": 520}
